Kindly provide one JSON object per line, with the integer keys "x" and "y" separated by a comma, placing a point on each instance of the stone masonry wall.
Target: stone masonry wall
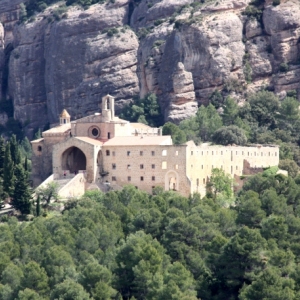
{"x": 136, "y": 167}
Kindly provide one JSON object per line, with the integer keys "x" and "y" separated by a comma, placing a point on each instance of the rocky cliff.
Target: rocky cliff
{"x": 180, "y": 50}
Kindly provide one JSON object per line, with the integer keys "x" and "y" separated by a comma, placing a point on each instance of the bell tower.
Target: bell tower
{"x": 64, "y": 117}
{"x": 108, "y": 108}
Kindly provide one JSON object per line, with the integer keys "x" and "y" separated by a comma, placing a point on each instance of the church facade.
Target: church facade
{"x": 107, "y": 150}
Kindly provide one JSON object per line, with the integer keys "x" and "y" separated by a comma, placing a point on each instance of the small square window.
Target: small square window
{"x": 114, "y": 178}
{"x": 129, "y": 178}
{"x": 114, "y": 166}
{"x": 153, "y": 166}
{"x": 128, "y": 153}
{"x": 107, "y": 153}
{"x": 153, "y": 178}
{"x": 128, "y": 167}
{"x": 141, "y": 153}
{"x": 164, "y": 153}
{"x": 141, "y": 166}
{"x": 142, "y": 178}
{"x": 153, "y": 153}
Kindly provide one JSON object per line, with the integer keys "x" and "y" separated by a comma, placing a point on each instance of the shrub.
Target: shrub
{"x": 158, "y": 22}
{"x": 248, "y": 72}
{"x": 112, "y": 31}
{"x": 284, "y": 67}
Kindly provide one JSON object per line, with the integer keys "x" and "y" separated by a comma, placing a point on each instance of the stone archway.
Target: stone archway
{"x": 172, "y": 181}
{"x": 73, "y": 159}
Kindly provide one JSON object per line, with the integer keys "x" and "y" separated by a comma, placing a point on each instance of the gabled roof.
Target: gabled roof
{"x": 89, "y": 140}
{"x": 139, "y": 141}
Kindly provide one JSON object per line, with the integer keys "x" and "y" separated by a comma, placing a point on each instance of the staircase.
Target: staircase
{"x": 62, "y": 182}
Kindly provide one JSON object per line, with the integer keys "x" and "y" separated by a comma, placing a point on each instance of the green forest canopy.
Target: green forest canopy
{"x": 131, "y": 245}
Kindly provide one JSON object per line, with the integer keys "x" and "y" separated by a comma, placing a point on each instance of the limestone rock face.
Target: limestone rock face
{"x": 72, "y": 63}
{"x": 180, "y": 50}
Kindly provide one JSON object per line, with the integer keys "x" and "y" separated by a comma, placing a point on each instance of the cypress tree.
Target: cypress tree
{"x": 14, "y": 150}
{"x": 2, "y": 155}
{"x": 22, "y": 193}
{"x": 38, "y": 206}
{"x": 8, "y": 171}
{"x": 26, "y": 164}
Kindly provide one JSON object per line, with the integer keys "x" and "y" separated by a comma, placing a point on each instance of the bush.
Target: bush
{"x": 112, "y": 31}
{"x": 284, "y": 67}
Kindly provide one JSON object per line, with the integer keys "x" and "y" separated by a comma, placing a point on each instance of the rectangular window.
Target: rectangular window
{"x": 153, "y": 166}
{"x": 202, "y": 167}
{"x": 141, "y": 153}
{"x": 203, "y": 180}
{"x": 141, "y": 166}
{"x": 113, "y": 153}
{"x": 113, "y": 166}
{"x": 191, "y": 152}
{"x": 176, "y": 153}
{"x": 129, "y": 178}
{"x": 153, "y": 153}
{"x": 236, "y": 167}
{"x": 107, "y": 153}
{"x": 164, "y": 165}
{"x": 221, "y": 152}
{"x": 197, "y": 181}
{"x": 176, "y": 167}
{"x": 128, "y": 167}
{"x": 212, "y": 152}
{"x": 128, "y": 153}
{"x": 142, "y": 178}
{"x": 153, "y": 178}
{"x": 108, "y": 135}
{"x": 114, "y": 178}
{"x": 164, "y": 153}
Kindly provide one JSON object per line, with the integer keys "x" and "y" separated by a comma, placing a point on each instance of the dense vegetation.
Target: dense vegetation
{"x": 263, "y": 119}
{"x": 130, "y": 245}
{"x": 14, "y": 173}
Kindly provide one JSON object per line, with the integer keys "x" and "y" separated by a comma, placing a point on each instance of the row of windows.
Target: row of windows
{"x": 114, "y": 178}
{"x": 163, "y": 166}
{"x": 164, "y": 153}
{"x": 236, "y": 152}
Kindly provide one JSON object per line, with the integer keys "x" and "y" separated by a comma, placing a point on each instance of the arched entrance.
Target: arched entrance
{"x": 171, "y": 181}
{"x": 73, "y": 159}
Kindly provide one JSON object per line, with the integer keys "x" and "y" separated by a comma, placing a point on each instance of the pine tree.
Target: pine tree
{"x": 26, "y": 164}
{"x": 8, "y": 171}
{"x": 2, "y": 155}
{"x": 22, "y": 192}
{"x": 14, "y": 150}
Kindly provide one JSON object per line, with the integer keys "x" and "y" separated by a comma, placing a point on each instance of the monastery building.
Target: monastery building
{"x": 105, "y": 152}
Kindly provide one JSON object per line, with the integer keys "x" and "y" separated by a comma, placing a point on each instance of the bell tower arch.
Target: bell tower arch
{"x": 108, "y": 108}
